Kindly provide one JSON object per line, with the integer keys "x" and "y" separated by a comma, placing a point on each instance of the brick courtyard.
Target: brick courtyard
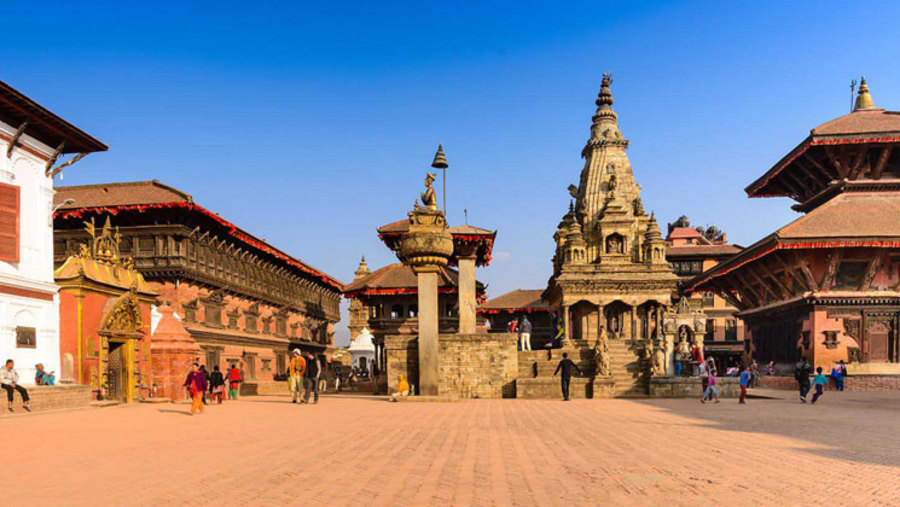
{"x": 361, "y": 450}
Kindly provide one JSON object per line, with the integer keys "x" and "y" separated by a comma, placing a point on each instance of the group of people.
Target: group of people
{"x": 9, "y": 381}
{"x": 209, "y": 387}
{"x": 307, "y": 375}
{"x": 522, "y": 328}
{"x": 803, "y": 370}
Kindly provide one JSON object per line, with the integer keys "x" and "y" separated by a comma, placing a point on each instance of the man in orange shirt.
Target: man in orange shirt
{"x": 295, "y": 374}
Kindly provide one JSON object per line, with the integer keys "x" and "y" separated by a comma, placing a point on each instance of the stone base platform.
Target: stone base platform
{"x": 550, "y": 388}
{"x": 689, "y": 387}
{"x": 441, "y": 398}
{"x": 851, "y": 383}
{"x": 56, "y": 397}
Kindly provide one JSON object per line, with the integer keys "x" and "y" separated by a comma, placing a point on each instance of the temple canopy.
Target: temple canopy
{"x": 463, "y": 235}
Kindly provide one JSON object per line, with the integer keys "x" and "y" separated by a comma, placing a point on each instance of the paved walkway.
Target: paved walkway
{"x": 359, "y": 450}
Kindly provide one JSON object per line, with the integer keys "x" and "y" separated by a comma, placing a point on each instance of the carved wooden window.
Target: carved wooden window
{"x": 267, "y": 325}
{"x": 212, "y": 314}
{"x": 10, "y": 209}
{"x": 250, "y": 366}
{"x": 850, "y": 275}
{"x": 146, "y": 246}
{"x": 281, "y": 325}
{"x": 831, "y": 341}
{"x": 26, "y": 337}
{"x": 250, "y": 322}
{"x": 233, "y": 319}
{"x": 190, "y": 311}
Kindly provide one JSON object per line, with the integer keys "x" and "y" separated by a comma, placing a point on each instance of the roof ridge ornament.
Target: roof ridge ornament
{"x": 864, "y": 100}
{"x": 605, "y": 128}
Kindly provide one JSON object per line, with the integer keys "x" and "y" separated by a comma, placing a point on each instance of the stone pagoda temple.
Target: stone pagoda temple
{"x": 826, "y": 286}
{"x": 611, "y": 281}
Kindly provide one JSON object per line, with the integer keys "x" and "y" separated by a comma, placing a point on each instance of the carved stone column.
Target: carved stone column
{"x": 467, "y": 298}
{"x": 567, "y": 322}
{"x": 426, "y": 247}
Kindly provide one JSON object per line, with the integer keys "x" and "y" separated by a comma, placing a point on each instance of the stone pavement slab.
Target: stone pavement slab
{"x": 361, "y": 450}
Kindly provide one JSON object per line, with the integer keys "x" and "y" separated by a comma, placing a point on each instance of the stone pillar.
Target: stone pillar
{"x": 567, "y": 318}
{"x": 635, "y": 330}
{"x": 467, "y": 300}
{"x": 670, "y": 354}
{"x": 428, "y": 330}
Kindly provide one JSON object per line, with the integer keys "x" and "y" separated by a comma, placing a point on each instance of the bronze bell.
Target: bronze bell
{"x": 440, "y": 161}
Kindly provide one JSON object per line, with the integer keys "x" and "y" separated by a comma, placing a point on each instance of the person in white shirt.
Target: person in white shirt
{"x": 9, "y": 380}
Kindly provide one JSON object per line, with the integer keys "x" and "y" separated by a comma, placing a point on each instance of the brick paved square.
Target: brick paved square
{"x": 360, "y": 450}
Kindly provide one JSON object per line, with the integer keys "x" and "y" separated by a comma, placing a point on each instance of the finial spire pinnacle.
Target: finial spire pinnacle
{"x": 605, "y": 100}
{"x": 440, "y": 160}
{"x": 864, "y": 100}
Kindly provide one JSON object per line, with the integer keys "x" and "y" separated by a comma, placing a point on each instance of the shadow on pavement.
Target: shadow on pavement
{"x": 856, "y": 426}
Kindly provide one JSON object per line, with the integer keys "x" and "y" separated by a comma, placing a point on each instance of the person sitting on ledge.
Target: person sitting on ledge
{"x": 42, "y": 377}
{"x": 402, "y": 388}
{"x": 9, "y": 380}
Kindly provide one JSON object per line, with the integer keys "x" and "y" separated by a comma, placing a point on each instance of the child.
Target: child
{"x": 820, "y": 380}
{"x": 712, "y": 391}
{"x": 42, "y": 378}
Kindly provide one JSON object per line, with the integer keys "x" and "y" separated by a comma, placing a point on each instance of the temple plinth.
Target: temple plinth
{"x": 426, "y": 247}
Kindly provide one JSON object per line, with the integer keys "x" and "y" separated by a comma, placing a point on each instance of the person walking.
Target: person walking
{"x": 565, "y": 366}
{"x": 820, "y": 381}
{"x": 296, "y": 371}
{"x": 234, "y": 381}
{"x": 839, "y": 373}
{"x": 310, "y": 379}
{"x": 9, "y": 380}
{"x": 216, "y": 385}
{"x": 696, "y": 360}
{"x": 323, "y": 377}
{"x": 703, "y": 369}
{"x": 205, "y": 374}
{"x": 745, "y": 382}
{"x": 712, "y": 390}
{"x": 338, "y": 380}
{"x": 801, "y": 375}
{"x": 525, "y": 333}
{"x": 196, "y": 385}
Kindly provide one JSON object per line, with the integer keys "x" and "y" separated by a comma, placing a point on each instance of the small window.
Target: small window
{"x": 26, "y": 337}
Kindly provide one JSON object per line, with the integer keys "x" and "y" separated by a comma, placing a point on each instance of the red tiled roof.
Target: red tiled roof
{"x": 398, "y": 276}
{"x": 860, "y": 122}
{"x": 702, "y": 250}
{"x": 849, "y": 215}
{"x": 143, "y": 196}
{"x": 518, "y": 299}
{"x": 684, "y": 232}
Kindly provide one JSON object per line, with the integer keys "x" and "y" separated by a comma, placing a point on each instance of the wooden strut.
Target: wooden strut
{"x": 834, "y": 258}
{"x": 831, "y": 175}
{"x": 54, "y": 158}
{"x": 804, "y": 188}
{"x": 871, "y": 271}
{"x": 882, "y": 161}
{"x": 15, "y": 137}
{"x": 762, "y": 284}
{"x": 774, "y": 277}
{"x": 746, "y": 296}
{"x": 58, "y": 169}
{"x": 787, "y": 268}
{"x": 760, "y": 301}
{"x": 809, "y": 172}
{"x": 807, "y": 273}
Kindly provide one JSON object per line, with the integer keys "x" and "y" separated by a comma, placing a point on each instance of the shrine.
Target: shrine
{"x": 105, "y": 308}
{"x": 611, "y": 283}
{"x": 826, "y": 287}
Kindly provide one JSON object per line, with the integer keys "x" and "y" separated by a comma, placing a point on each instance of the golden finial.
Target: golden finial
{"x": 440, "y": 161}
{"x": 864, "y": 100}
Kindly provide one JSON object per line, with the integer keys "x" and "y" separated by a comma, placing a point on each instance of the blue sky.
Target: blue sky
{"x": 310, "y": 124}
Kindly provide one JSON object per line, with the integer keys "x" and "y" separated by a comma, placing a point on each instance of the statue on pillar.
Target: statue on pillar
{"x": 428, "y": 198}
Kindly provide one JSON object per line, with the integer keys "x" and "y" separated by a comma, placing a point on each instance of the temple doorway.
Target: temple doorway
{"x": 617, "y": 318}
{"x": 585, "y": 321}
{"x": 115, "y": 371}
{"x": 649, "y": 315}
{"x": 878, "y": 341}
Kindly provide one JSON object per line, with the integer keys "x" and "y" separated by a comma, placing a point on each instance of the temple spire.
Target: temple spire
{"x": 362, "y": 270}
{"x": 605, "y": 127}
{"x": 864, "y": 100}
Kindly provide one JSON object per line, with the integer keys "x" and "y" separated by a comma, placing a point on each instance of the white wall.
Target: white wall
{"x": 34, "y": 271}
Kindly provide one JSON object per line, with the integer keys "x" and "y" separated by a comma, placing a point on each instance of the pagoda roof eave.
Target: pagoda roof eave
{"x": 757, "y": 188}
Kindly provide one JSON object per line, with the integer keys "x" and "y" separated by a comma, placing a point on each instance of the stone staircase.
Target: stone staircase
{"x": 536, "y": 367}
{"x": 535, "y": 376}
{"x": 628, "y": 370}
